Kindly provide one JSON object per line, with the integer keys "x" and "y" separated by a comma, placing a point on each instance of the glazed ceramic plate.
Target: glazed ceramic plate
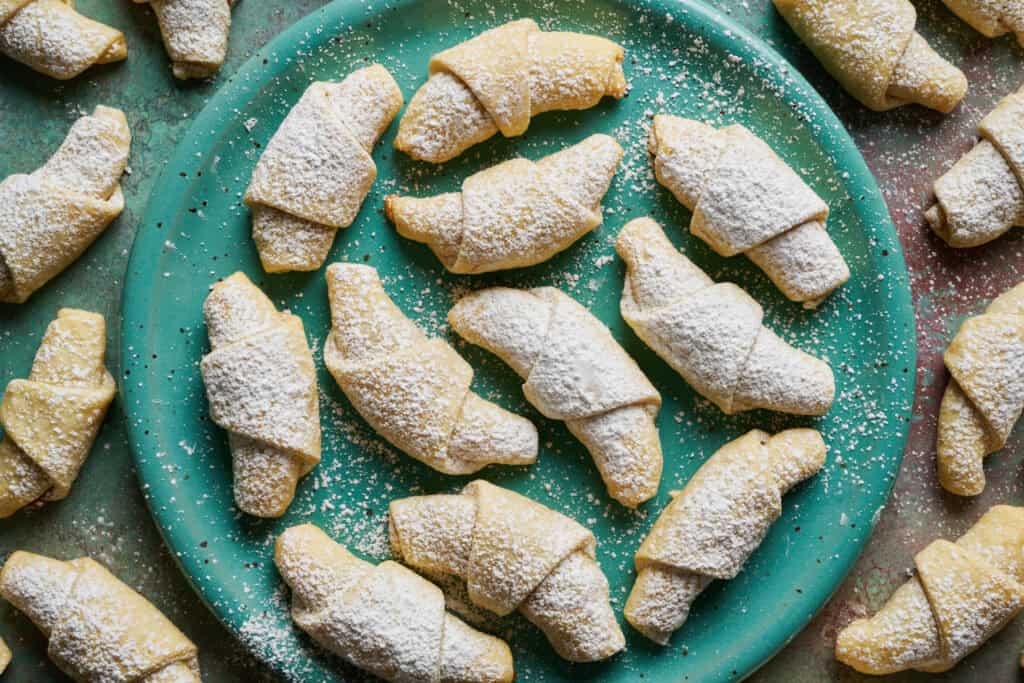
{"x": 682, "y": 58}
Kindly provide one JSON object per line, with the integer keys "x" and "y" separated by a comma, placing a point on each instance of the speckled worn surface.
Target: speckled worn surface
{"x": 906, "y": 149}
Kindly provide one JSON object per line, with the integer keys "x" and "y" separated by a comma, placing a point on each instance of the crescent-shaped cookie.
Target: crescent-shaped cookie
{"x": 516, "y": 214}
{"x": 49, "y": 217}
{"x": 981, "y": 197}
{"x": 985, "y": 394}
{"x": 195, "y": 34}
{"x": 98, "y": 628}
{"x": 872, "y": 49}
{"x": 962, "y": 593}
{"x": 500, "y": 79}
{"x": 515, "y": 555}
{"x": 383, "y": 618}
{"x": 51, "y": 419}
{"x": 414, "y": 390}
{"x": 261, "y": 386}
{"x": 54, "y": 39}
{"x": 575, "y": 371}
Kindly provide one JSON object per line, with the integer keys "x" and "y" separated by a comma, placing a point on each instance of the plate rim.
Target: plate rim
{"x": 271, "y": 60}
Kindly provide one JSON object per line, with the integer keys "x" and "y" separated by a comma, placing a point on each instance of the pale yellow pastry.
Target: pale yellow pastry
{"x": 982, "y": 197}
{"x": 49, "y": 217}
{"x": 746, "y": 200}
{"x": 499, "y": 80}
{"x": 414, "y": 390}
{"x": 575, "y": 371}
{"x": 715, "y": 523}
{"x": 991, "y": 18}
{"x": 514, "y": 554}
{"x": 518, "y": 213}
{"x": 52, "y": 38}
{"x": 872, "y": 49}
{"x": 316, "y": 170}
{"x": 99, "y": 629}
{"x": 51, "y": 419}
{"x": 961, "y": 594}
{"x": 711, "y": 334}
{"x": 195, "y": 34}
{"x": 5, "y": 656}
{"x": 261, "y": 386}
{"x": 985, "y": 394}
{"x": 383, "y": 618}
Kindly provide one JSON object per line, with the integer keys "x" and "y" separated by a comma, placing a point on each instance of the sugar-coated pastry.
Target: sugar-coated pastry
{"x": 985, "y": 394}
{"x": 575, "y": 371}
{"x": 518, "y": 213}
{"x": 498, "y": 80}
{"x": 49, "y": 217}
{"x": 5, "y": 656}
{"x": 414, "y": 390}
{"x": 514, "y": 554}
{"x": 746, "y": 200}
{"x": 195, "y": 34}
{"x": 991, "y": 18}
{"x": 872, "y": 49}
{"x": 99, "y": 630}
{"x": 51, "y": 419}
{"x": 714, "y": 524}
{"x": 261, "y": 385}
{"x": 982, "y": 197}
{"x": 54, "y": 39}
{"x": 711, "y": 334}
{"x": 961, "y": 594}
{"x": 317, "y": 169}
{"x": 383, "y": 618}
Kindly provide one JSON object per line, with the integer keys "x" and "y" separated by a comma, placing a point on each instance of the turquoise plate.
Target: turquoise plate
{"x": 682, "y": 58}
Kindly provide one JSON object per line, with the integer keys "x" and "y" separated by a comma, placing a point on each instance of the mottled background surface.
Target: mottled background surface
{"x": 906, "y": 149}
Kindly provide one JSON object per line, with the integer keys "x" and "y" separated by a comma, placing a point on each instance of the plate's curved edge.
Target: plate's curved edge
{"x": 717, "y": 27}
{"x": 145, "y": 252}
{"x": 840, "y": 144}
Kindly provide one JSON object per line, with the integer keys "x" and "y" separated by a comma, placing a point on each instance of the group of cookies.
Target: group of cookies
{"x": 962, "y": 592}
{"x": 872, "y": 49}
{"x": 509, "y": 552}
{"x": 51, "y": 37}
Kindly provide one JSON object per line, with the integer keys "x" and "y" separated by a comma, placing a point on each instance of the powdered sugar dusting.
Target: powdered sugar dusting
{"x": 514, "y": 554}
{"x": 414, "y": 390}
{"x": 712, "y": 334}
{"x": 516, "y": 214}
{"x": 981, "y": 197}
{"x": 578, "y": 374}
{"x": 261, "y": 386}
{"x": 195, "y": 34}
{"x": 985, "y": 395}
{"x": 746, "y": 199}
{"x": 384, "y": 618}
{"x": 48, "y": 218}
{"x": 316, "y": 171}
{"x": 710, "y": 528}
{"x": 964, "y": 592}
{"x": 871, "y": 47}
{"x": 502, "y": 78}
{"x": 54, "y": 39}
{"x": 51, "y": 419}
{"x": 98, "y": 628}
